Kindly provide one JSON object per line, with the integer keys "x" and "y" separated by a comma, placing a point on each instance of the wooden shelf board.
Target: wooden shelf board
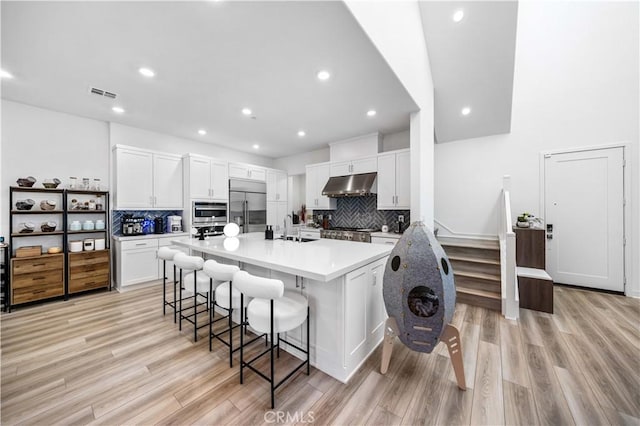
{"x": 36, "y": 211}
{"x": 33, "y": 234}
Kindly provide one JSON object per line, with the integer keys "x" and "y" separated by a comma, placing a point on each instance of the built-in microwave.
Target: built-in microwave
{"x": 206, "y": 213}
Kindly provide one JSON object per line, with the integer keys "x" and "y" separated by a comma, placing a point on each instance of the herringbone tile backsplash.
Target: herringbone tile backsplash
{"x": 361, "y": 212}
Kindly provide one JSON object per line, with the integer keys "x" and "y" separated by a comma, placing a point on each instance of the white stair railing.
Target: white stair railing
{"x": 509, "y": 279}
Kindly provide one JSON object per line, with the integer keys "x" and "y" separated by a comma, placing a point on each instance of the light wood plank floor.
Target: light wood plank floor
{"x": 111, "y": 358}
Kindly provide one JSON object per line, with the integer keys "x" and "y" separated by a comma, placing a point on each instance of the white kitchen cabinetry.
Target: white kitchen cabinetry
{"x": 276, "y": 185}
{"x": 136, "y": 261}
{"x": 354, "y": 167}
{"x": 206, "y": 178}
{"x": 147, "y": 180}
{"x": 364, "y": 324}
{"x": 167, "y": 181}
{"x": 316, "y": 179}
{"x": 394, "y": 191}
{"x": 247, "y": 171}
{"x": 276, "y": 212}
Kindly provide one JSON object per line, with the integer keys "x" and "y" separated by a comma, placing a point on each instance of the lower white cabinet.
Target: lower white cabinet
{"x": 365, "y": 316}
{"x": 137, "y": 261}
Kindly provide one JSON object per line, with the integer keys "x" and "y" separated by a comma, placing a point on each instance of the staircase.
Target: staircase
{"x": 476, "y": 269}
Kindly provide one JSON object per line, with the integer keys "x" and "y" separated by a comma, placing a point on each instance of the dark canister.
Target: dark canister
{"x": 268, "y": 233}
{"x": 158, "y": 225}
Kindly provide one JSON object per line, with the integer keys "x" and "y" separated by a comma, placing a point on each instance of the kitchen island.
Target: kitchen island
{"x": 341, "y": 279}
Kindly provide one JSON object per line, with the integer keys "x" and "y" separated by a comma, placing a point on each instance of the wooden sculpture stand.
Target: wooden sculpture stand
{"x": 451, "y": 337}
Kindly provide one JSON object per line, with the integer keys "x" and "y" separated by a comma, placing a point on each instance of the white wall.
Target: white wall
{"x": 394, "y": 141}
{"x": 295, "y": 164}
{"x": 575, "y": 84}
{"x": 46, "y": 144}
{"x": 146, "y": 139}
{"x": 395, "y": 28}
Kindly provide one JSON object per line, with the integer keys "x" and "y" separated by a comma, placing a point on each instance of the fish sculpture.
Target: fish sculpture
{"x": 420, "y": 297}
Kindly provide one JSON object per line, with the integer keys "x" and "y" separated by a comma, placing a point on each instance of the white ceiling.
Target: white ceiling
{"x": 211, "y": 59}
{"x": 472, "y": 63}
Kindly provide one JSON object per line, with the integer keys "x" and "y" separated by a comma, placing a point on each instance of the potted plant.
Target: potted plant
{"x": 523, "y": 220}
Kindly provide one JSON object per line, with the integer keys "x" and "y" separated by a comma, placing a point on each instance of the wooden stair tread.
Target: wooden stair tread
{"x": 478, "y": 275}
{"x": 477, "y": 244}
{"x": 475, "y": 260}
{"x": 478, "y": 293}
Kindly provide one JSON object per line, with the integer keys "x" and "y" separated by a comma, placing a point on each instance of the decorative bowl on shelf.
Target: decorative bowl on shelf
{"x": 26, "y": 182}
{"x": 51, "y": 183}
{"x": 48, "y": 226}
{"x": 25, "y": 204}
{"x": 48, "y": 204}
{"x": 27, "y": 227}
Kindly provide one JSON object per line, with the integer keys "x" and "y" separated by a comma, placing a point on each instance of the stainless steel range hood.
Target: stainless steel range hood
{"x": 350, "y": 186}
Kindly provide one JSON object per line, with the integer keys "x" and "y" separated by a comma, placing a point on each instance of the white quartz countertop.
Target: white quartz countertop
{"x": 148, "y": 236}
{"x": 322, "y": 260}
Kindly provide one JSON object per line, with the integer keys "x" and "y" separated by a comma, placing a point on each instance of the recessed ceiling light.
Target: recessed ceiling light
{"x": 5, "y": 74}
{"x": 466, "y": 111}
{"x": 458, "y": 15}
{"x": 118, "y": 109}
{"x": 246, "y": 111}
{"x": 256, "y": 146}
{"x": 323, "y": 75}
{"x": 301, "y": 133}
{"x": 147, "y": 72}
{"x": 202, "y": 132}
{"x": 371, "y": 112}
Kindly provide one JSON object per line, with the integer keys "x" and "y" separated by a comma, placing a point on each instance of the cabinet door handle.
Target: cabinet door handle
{"x": 38, "y": 291}
{"x": 39, "y": 264}
{"x": 141, "y": 244}
{"x": 39, "y": 278}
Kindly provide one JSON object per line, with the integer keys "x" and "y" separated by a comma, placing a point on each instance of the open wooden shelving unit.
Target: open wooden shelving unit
{"x": 47, "y": 276}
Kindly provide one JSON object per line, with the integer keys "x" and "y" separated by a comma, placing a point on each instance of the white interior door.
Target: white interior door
{"x": 584, "y": 195}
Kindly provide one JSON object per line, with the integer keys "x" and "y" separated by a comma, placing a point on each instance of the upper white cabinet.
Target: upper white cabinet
{"x": 276, "y": 213}
{"x": 317, "y": 177}
{"x": 394, "y": 191}
{"x": 276, "y": 185}
{"x": 247, "y": 171}
{"x": 147, "y": 180}
{"x": 167, "y": 181}
{"x": 206, "y": 178}
{"x": 354, "y": 167}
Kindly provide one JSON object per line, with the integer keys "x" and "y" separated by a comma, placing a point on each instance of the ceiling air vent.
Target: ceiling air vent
{"x": 101, "y": 92}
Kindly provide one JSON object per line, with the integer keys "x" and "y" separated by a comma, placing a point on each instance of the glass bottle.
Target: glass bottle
{"x": 73, "y": 182}
{"x": 96, "y": 184}
{"x": 85, "y": 184}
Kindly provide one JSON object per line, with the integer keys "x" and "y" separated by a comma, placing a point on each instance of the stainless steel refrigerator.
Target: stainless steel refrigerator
{"x": 248, "y": 205}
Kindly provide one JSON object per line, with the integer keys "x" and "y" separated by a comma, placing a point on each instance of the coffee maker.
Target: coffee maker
{"x": 174, "y": 223}
{"x": 132, "y": 225}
